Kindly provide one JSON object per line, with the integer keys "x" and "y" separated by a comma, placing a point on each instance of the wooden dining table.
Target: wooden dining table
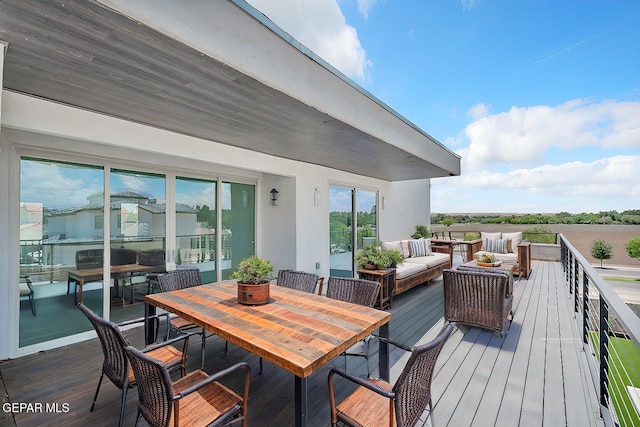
{"x": 117, "y": 272}
{"x": 297, "y": 331}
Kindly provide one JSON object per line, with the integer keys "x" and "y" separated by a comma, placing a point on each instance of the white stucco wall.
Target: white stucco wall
{"x": 293, "y": 234}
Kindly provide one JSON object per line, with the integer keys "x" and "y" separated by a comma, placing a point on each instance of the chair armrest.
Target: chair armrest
{"x": 360, "y": 381}
{"x": 393, "y": 343}
{"x": 184, "y": 337}
{"x": 216, "y": 376}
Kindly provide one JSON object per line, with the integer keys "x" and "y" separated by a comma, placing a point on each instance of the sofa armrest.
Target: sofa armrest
{"x": 524, "y": 258}
{"x": 443, "y": 247}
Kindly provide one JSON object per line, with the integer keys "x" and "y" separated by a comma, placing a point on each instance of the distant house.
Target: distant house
{"x": 213, "y": 93}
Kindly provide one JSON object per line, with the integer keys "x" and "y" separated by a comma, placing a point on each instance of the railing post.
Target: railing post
{"x": 576, "y": 281}
{"x": 585, "y": 309}
{"x": 604, "y": 352}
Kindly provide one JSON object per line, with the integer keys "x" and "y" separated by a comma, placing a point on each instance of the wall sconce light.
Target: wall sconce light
{"x": 274, "y": 197}
{"x": 384, "y": 202}
{"x": 316, "y": 197}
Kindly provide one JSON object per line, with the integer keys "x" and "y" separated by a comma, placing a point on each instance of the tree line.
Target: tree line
{"x": 627, "y": 217}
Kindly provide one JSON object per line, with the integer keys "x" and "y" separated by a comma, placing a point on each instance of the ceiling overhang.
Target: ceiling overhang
{"x": 83, "y": 54}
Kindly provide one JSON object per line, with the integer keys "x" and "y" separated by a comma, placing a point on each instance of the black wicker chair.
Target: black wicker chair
{"x": 298, "y": 280}
{"x": 356, "y": 291}
{"x": 116, "y": 364}
{"x": 194, "y": 400}
{"x": 181, "y": 279}
{"x": 378, "y": 403}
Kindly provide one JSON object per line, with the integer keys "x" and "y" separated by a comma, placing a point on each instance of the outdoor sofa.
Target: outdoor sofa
{"x": 505, "y": 247}
{"x": 422, "y": 262}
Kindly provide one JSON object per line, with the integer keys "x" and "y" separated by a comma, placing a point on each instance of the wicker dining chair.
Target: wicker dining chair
{"x": 181, "y": 279}
{"x": 378, "y": 403}
{"x": 116, "y": 364}
{"x": 299, "y": 280}
{"x": 356, "y": 291}
{"x": 197, "y": 399}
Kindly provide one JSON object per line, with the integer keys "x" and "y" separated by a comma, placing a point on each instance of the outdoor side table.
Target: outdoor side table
{"x": 387, "y": 280}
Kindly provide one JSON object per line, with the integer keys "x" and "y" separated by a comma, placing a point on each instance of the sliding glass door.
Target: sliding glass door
{"x": 196, "y": 222}
{"x": 238, "y": 225}
{"x": 61, "y": 215}
{"x": 352, "y": 225}
{"x": 136, "y": 238}
{"x": 64, "y": 223}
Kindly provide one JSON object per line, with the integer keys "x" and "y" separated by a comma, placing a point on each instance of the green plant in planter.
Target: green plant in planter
{"x": 422, "y": 231}
{"x": 253, "y": 271}
{"x": 370, "y": 255}
{"x": 394, "y": 257}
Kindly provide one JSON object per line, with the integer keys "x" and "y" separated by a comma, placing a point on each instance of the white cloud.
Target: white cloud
{"x": 468, "y": 4}
{"x": 479, "y": 111}
{"x": 365, "y": 6}
{"x": 522, "y": 136}
{"x": 611, "y": 183}
{"x": 321, "y": 27}
{"x": 617, "y": 176}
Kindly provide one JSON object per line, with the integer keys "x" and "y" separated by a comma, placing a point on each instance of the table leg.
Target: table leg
{"x": 383, "y": 353}
{"x": 149, "y": 324}
{"x": 81, "y": 284}
{"x": 301, "y": 401}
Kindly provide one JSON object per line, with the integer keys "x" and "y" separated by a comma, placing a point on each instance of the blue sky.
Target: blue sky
{"x": 540, "y": 98}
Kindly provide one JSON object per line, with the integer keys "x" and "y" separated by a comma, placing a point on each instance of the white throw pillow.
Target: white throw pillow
{"x": 515, "y": 238}
{"x": 486, "y": 235}
{"x": 391, "y": 245}
{"x": 406, "y": 250}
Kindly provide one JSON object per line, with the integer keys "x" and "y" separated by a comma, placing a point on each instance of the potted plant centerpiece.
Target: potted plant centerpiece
{"x": 254, "y": 276}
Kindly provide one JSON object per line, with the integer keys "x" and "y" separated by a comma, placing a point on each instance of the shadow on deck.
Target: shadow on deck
{"x": 535, "y": 376}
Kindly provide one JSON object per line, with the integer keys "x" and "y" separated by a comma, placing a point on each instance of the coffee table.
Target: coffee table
{"x": 511, "y": 267}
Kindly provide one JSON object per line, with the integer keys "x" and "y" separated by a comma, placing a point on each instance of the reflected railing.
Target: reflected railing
{"x": 610, "y": 336}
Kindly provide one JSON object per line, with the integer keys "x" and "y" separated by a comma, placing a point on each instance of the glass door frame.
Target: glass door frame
{"x": 354, "y": 218}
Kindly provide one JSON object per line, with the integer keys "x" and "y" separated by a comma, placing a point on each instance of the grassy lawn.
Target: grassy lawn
{"x": 624, "y": 369}
{"x": 620, "y": 279}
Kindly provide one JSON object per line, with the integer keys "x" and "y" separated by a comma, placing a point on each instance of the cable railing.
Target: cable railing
{"x": 610, "y": 336}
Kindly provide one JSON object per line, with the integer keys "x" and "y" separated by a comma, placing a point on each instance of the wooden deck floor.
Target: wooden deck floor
{"x": 535, "y": 376}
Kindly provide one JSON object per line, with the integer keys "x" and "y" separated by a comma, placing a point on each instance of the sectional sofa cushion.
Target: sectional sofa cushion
{"x": 430, "y": 261}
{"x": 406, "y": 269}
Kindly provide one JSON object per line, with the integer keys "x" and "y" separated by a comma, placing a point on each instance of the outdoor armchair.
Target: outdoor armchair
{"x": 195, "y": 400}
{"x": 116, "y": 365}
{"x": 378, "y": 403}
{"x": 482, "y": 299}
